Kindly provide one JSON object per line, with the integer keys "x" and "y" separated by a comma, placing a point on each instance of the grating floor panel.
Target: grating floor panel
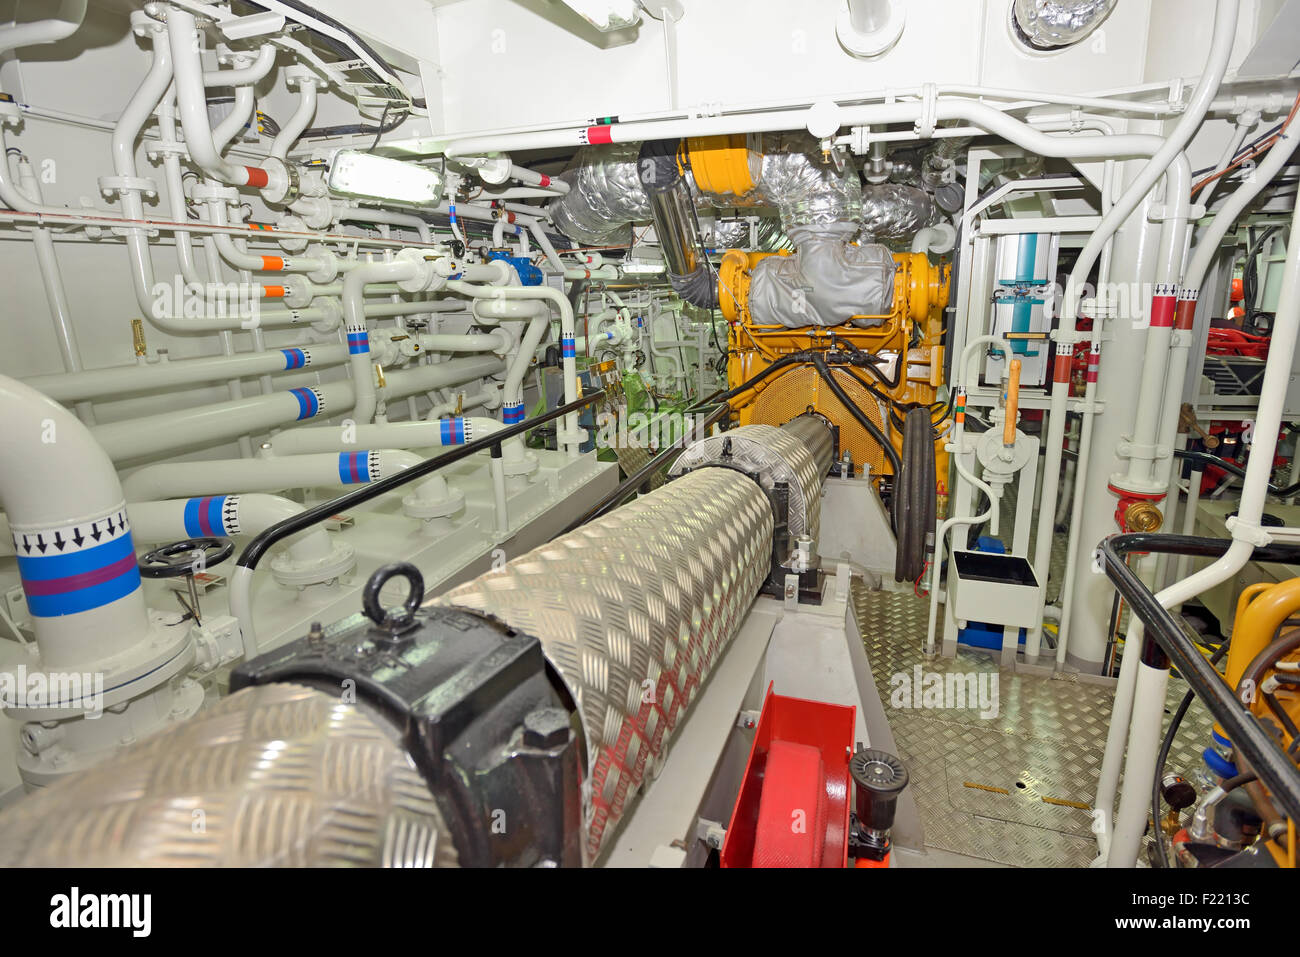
{"x": 1010, "y": 783}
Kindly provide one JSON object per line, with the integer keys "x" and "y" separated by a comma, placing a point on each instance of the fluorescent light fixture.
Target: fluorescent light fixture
{"x": 365, "y": 175}
{"x": 607, "y": 15}
{"x": 642, "y": 267}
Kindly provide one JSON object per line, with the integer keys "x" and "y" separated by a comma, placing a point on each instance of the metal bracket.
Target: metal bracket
{"x": 710, "y": 832}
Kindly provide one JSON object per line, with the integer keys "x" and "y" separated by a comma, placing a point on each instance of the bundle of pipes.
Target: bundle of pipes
{"x": 648, "y": 596}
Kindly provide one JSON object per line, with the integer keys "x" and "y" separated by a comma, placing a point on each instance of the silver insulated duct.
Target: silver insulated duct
{"x": 1051, "y": 24}
{"x": 604, "y": 195}
{"x": 894, "y": 214}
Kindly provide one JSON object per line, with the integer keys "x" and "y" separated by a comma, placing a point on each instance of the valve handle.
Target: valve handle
{"x": 177, "y": 559}
{"x": 1012, "y": 401}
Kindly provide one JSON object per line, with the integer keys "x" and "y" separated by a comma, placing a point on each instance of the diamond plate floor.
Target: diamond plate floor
{"x": 1013, "y": 788}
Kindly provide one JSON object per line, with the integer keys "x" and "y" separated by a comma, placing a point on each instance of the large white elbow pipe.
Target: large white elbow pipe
{"x": 302, "y": 116}
{"x": 184, "y": 39}
{"x": 249, "y": 69}
{"x": 224, "y": 516}
{"x": 67, "y": 517}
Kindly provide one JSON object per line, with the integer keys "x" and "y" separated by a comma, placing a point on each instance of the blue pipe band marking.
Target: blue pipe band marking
{"x": 354, "y": 467}
{"x": 203, "y": 517}
{"x": 294, "y": 358}
{"x": 512, "y": 414}
{"x": 308, "y": 402}
{"x": 358, "y": 343}
{"x": 452, "y": 431}
{"x": 67, "y": 584}
{"x": 568, "y": 347}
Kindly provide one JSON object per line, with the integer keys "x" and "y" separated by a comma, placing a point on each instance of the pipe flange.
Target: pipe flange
{"x": 333, "y": 314}
{"x": 315, "y": 211}
{"x": 328, "y": 269}
{"x": 164, "y": 650}
{"x": 493, "y": 170}
{"x": 297, "y": 291}
{"x": 296, "y": 573}
{"x": 292, "y": 244}
{"x": 875, "y": 42}
{"x": 576, "y": 437}
{"x": 112, "y": 186}
{"x": 282, "y": 181}
{"x": 416, "y": 507}
{"x": 526, "y": 464}
{"x": 425, "y": 277}
{"x": 990, "y": 449}
{"x": 213, "y": 192}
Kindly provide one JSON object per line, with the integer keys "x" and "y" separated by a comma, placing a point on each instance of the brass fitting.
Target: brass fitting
{"x": 137, "y": 337}
{"x": 1143, "y": 517}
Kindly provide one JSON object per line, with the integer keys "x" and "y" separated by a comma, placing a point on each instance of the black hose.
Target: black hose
{"x": 1206, "y": 458}
{"x": 819, "y": 363}
{"x": 914, "y": 493}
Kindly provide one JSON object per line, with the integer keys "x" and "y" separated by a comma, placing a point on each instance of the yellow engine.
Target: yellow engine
{"x": 908, "y": 342}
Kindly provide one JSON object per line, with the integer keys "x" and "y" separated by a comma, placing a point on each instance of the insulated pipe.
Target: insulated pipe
{"x": 1122, "y": 849}
{"x": 570, "y": 438}
{"x": 354, "y": 324}
{"x": 76, "y": 556}
{"x": 209, "y": 424}
{"x": 63, "y": 25}
{"x": 186, "y": 42}
{"x": 390, "y": 435}
{"x": 266, "y": 474}
{"x": 1224, "y": 31}
{"x": 224, "y": 516}
{"x": 937, "y": 239}
{"x": 174, "y": 373}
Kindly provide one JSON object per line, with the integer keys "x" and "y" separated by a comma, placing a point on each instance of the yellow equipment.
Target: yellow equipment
{"x": 911, "y": 335}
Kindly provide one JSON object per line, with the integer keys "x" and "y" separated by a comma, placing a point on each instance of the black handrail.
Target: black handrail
{"x": 255, "y": 549}
{"x": 625, "y": 489}
{"x": 1267, "y": 760}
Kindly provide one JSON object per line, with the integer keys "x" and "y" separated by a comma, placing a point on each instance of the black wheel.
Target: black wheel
{"x": 185, "y": 558}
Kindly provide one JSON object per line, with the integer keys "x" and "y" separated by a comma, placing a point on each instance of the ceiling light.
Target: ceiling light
{"x": 365, "y": 175}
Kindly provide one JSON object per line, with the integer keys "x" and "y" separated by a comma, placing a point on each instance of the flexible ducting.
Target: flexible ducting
{"x": 605, "y": 194}
{"x": 735, "y": 234}
{"x": 806, "y": 188}
{"x": 1048, "y": 24}
{"x": 274, "y": 776}
{"x": 894, "y": 213}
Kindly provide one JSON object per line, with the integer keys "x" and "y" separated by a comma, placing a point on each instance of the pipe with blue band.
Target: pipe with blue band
{"x": 58, "y": 585}
{"x": 354, "y": 467}
{"x": 568, "y": 348}
{"x": 358, "y": 342}
{"x": 453, "y": 431}
{"x": 205, "y": 517}
{"x": 309, "y": 402}
{"x": 295, "y": 358}
{"x": 512, "y": 412}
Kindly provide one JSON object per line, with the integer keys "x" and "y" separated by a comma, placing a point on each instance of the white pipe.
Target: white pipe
{"x": 210, "y": 424}
{"x": 64, "y": 24}
{"x": 173, "y": 373}
{"x": 266, "y": 474}
{"x": 225, "y": 516}
{"x": 185, "y": 43}
{"x": 937, "y": 239}
{"x": 1246, "y": 535}
{"x": 65, "y": 506}
{"x": 372, "y": 214}
{"x": 570, "y": 437}
{"x": 300, "y": 120}
{"x": 354, "y": 324}
{"x": 1224, "y": 31}
{"x": 251, "y": 69}
{"x": 391, "y": 435}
